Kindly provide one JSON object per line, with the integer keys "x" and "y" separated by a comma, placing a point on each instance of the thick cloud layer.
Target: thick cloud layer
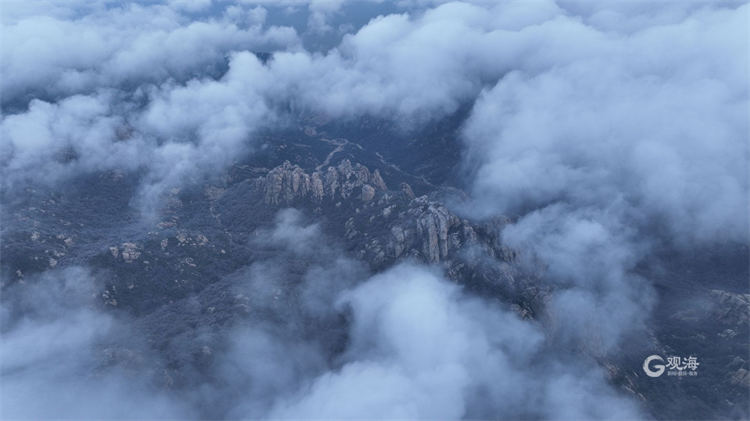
{"x": 124, "y": 46}
{"x": 108, "y": 90}
{"x": 602, "y": 129}
{"x": 422, "y": 349}
{"x": 641, "y": 141}
{"x": 647, "y": 89}
{"x": 656, "y": 119}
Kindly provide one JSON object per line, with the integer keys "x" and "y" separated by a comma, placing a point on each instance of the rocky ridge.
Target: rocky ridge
{"x": 386, "y": 224}
{"x": 287, "y": 183}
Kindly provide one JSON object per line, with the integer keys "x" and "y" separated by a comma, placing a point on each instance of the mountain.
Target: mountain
{"x": 177, "y": 274}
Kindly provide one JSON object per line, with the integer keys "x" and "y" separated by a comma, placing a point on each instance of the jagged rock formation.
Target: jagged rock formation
{"x": 203, "y": 238}
{"x": 384, "y": 225}
{"x": 287, "y": 183}
{"x": 731, "y": 308}
{"x": 411, "y": 228}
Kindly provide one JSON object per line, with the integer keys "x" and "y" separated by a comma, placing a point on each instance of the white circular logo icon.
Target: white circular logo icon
{"x": 657, "y": 370}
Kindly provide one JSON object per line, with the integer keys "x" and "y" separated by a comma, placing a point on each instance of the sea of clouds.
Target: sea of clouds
{"x": 602, "y": 129}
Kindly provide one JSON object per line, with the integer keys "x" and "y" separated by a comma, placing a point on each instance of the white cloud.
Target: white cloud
{"x": 121, "y": 47}
{"x": 54, "y": 344}
{"x": 420, "y": 348}
{"x": 633, "y": 139}
{"x": 656, "y": 120}
{"x": 602, "y": 128}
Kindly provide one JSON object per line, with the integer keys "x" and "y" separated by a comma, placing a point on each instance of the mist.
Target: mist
{"x": 416, "y": 346}
{"x": 604, "y": 136}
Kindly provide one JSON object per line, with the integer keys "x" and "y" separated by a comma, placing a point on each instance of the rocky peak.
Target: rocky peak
{"x": 731, "y": 309}
{"x": 288, "y": 183}
{"x": 381, "y": 225}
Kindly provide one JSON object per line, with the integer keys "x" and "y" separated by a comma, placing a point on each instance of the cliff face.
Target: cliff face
{"x": 417, "y": 228}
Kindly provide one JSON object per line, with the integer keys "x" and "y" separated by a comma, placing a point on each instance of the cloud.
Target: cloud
{"x": 420, "y": 348}
{"x": 603, "y": 130}
{"x": 635, "y": 139}
{"x": 186, "y": 93}
{"x": 668, "y": 143}
{"x": 179, "y": 135}
{"x": 122, "y": 47}
{"x": 416, "y": 66}
{"x": 318, "y": 338}
{"x": 290, "y": 232}
{"x": 81, "y": 133}
{"x": 55, "y": 352}
{"x": 131, "y": 88}
{"x": 589, "y": 256}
